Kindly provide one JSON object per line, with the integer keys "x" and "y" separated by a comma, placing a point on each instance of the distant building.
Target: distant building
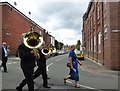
{"x": 53, "y": 40}
{"x": 101, "y": 33}
{"x": 14, "y": 23}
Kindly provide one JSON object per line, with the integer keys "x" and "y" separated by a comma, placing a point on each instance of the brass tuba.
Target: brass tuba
{"x": 33, "y": 40}
{"x": 46, "y": 50}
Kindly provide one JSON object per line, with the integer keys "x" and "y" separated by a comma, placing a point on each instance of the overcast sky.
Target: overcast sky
{"x": 61, "y": 18}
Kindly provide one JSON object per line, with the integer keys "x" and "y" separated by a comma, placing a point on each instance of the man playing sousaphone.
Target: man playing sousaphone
{"x": 28, "y": 54}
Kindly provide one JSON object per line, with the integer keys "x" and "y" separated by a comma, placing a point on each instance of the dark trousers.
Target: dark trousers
{"x": 37, "y": 73}
{"x": 41, "y": 71}
{"x": 4, "y": 61}
{"x": 28, "y": 73}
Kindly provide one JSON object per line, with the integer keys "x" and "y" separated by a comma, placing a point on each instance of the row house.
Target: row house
{"x": 14, "y": 23}
{"x": 101, "y": 33}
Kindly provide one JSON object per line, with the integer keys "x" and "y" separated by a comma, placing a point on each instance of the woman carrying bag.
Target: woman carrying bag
{"x": 73, "y": 74}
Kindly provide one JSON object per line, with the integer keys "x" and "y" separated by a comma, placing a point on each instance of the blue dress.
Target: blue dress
{"x": 74, "y": 75}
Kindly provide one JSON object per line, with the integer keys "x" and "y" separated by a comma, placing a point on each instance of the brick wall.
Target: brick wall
{"x": 14, "y": 25}
{"x": 115, "y": 36}
{"x": 95, "y": 22}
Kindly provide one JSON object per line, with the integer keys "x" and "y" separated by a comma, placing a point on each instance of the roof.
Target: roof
{"x": 88, "y": 10}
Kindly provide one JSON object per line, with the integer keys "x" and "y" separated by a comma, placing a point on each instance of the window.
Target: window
{"x": 94, "y": 43}
{"x": 40, "y": 33}
{"x": 99, "y": 42}
{"x": 104, "y": 7}
{"x": 94, "y": 18}
{"x": 98, "y": 11}
{"x": 105, "y": 33}
{"x": 91, "y": 22}
{"x": 91, "y": 44}
{"x": 105, "y": 24}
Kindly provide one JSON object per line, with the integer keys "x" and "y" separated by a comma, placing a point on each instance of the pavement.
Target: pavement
{"x": 97, "y": 68}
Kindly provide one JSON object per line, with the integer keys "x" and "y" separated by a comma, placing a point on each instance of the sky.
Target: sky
{"x": 61, "y": 18}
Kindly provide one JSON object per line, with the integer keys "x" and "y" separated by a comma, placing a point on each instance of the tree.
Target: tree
{"x": 61, "y": 45}
{"x": 56, "y": 45}
{"x": 78, "y": 45}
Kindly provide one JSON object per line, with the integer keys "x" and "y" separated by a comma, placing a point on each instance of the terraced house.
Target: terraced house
{"x": 13, "y": 23}
{"x": 101, "y": 33}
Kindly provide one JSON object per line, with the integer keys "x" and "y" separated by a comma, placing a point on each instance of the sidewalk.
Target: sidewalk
{"x": 94, "y": 67}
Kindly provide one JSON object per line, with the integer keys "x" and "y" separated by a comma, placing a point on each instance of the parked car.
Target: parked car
{"x": 79, "y": 54}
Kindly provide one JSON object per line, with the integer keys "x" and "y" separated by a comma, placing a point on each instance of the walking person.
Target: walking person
{"x": 27, "y": 64}
{"x": 73, "y": 74}
{"x": 41, "y": 70}
{"x": 5, "y": 51}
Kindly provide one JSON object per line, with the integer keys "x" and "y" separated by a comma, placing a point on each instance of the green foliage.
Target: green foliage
{"x": 58, "y": 45}
{"x": 78, "y": 45}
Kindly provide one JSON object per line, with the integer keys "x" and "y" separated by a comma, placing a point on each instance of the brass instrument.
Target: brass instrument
{"x": 33, "y": 40}
{"x": 46, "y": 50}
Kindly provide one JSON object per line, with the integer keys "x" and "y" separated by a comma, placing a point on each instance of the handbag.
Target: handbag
{"x": 68, "y": 64}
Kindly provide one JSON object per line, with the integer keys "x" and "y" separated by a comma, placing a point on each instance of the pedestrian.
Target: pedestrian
{"x": 73, "y": 74}
{"x": 41, "y": 70}
{"x": 5, "y": 52}
{"x": 27, "y": 64}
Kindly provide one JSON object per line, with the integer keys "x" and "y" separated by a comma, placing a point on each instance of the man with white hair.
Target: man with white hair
{"x": 4, "y": 57}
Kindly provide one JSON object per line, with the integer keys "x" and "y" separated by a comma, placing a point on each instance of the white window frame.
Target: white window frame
{"x": 94, "y": 43}
{"x": 105, "y": 3}
{"x": 99, "y": 42}
{"x": 98, "y": 11}
{"x": 91, "y": 44}
{"x": 105, "y": 33}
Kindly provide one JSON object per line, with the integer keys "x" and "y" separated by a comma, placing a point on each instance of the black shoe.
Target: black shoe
{"x": 18, "y": 88}
{"x": 46, "y": 87}
{"x": 48, "y": 78}
{"x": 6, "y": 71}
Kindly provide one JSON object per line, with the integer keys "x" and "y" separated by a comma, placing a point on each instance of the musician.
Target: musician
{"x": 41, "y": 70}
{"x": 5, "y": 51}
{"x": 27, "y": 65}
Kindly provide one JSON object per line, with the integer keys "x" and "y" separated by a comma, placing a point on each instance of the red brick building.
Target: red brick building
{"x": 101, "y": 33}
{"x": 13, "y": 24}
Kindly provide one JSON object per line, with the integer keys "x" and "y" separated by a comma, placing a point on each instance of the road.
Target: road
{"x": 92, "y": 76}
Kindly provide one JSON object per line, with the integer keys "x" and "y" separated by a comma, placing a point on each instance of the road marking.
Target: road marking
{"x": 59, "y": 59}
{"x": 48, "y": 66}
{"x": 83, "y": 85}
{"x": 52, "y": 63}
{"x": 87, "y": 87}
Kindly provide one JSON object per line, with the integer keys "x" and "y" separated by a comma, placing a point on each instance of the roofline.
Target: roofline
{"x": 85, "y": 16}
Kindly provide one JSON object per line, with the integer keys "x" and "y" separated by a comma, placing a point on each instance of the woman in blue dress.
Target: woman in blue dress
{"x": 73, "y": 74}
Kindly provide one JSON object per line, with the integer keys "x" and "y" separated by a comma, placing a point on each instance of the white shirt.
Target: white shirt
{"x": 6, "y": 52}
